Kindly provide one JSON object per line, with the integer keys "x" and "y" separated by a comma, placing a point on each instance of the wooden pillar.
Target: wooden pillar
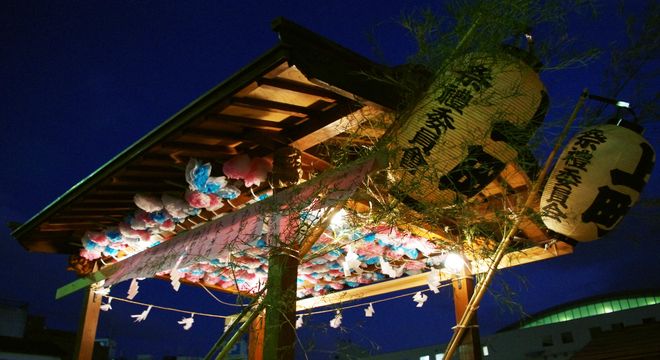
{"x": 470, "y": 345}
{"x": 87, "y": 327}
{"x": 280, "y": 332}
{"x": 256, "y": 338}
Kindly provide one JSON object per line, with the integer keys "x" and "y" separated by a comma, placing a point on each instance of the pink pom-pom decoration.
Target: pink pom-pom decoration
{"x": 336, "y": 285}
{"x": 148, "y": 203}
{"x": 143, "y": 217}
{"x": 259, "y": 169}
{"x": 89, "y": 254}
{"x": 128, "y": 232}
{"x": 168, "y": 225}
{"x": 98, "y": 238}
{"x": 198, "y": 199}
{"x": 175, "y": 206}
{"x": 237, "y": 167}
{"x": 215, "y": 202}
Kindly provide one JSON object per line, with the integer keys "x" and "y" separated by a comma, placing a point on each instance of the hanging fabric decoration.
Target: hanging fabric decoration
{"x": 142, "y": 316}
{"x": 369, "y": 311}
{"x": 351, "y": 262}
{"x": 187, "y": 322}
{"x": 299, "y": 322}
{"x": 433, "y": 280}
{"x": 107, "y": 306}
{"x": 473, "y": 119}
{"x": 599, "y": 176}
{"x": 175, "y": 274}
{"x": 102, "y": 290}
{"x": 389, "y": 270}
{"x": 336, "y": 321}
{"x": 420, "y": 299}
{"x": 133, "y": 289}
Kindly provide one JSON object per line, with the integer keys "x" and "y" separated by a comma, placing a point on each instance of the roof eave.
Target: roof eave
{"x": 270, "y": 59}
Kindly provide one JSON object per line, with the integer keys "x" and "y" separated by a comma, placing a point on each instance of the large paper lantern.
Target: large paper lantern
{"x": 598, "y": 177}
{"x": 466, "y": 127}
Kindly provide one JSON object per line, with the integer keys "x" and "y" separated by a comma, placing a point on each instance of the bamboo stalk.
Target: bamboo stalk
{"x": 229, "y": 330}
{"x": 482, "y": 286}
{"x": 240, "y": 332}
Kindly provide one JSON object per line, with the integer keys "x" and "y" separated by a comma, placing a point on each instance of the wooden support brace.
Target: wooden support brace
{"x": 88, "y": 323}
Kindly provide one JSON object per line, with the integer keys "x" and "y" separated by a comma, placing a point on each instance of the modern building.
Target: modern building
{"x": 24, "y": 337}
{"x": 615, "y": 326}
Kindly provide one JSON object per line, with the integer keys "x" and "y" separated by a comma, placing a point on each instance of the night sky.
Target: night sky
{"x": 82, "y": 80}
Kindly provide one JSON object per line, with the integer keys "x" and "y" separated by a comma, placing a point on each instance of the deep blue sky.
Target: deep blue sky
{"x": 82, "y": 80}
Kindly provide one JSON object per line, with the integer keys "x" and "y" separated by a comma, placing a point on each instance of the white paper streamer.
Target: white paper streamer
{"x": 420, "y": 299}
{"x": 107, "y": 306}
{"x": 187, "y": 322}
{"x": 142, "y": 316}
{"x": 133, "y": 289}
{"x": 433, "y": 280}
{"x": 336, "y": 321}
{"x": 369, "y": 311}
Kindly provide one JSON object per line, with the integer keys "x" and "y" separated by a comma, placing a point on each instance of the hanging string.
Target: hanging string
{"x": 218, "y": 299}
{"x": 331, "y": 310}
{"x": 165, "y": 308}
{"x": 362, "y": 304}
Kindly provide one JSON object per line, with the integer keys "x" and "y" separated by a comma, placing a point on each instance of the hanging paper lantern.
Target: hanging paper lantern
{"x": 471, "y": 122}
{"x": 598, "y": 177}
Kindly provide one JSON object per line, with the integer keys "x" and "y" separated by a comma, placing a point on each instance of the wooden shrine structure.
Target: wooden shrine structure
{"x": 306, "y": 92}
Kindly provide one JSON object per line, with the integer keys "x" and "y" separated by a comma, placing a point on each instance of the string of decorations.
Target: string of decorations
{"x": 418, "y": 296}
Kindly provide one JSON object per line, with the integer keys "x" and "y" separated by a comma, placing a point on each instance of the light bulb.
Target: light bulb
{"x": 454, "y": 263}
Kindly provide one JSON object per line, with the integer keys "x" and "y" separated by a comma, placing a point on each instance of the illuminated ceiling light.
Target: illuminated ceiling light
{"x": 339, "y": 219}
{"x": 454, "y": 263}
{"x": 623, "y": 104}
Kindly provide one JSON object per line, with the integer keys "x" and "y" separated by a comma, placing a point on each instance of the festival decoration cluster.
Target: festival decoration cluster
{"x": 344, "y": 256}
{"x": 156, "y": 217}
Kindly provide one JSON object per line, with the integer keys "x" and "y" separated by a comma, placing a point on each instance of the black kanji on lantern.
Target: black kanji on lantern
{"x": 455, "y": 97}
{"x": 578, "y": 158}
{"x": 426, "y": 139}
{"x": 559, "y": 195}
{"x": 607, "y": 209}
{"x": 569, "y": 177}
{"x": 440, "y": 119}
{"x": 590, "y": 138}
{"x": 553, "y": 211}
{"x": 636, "y": 180}
{"x": 477, "y": 76}
{"x": 412, "y": 158}
{"x": 472, "y": 174}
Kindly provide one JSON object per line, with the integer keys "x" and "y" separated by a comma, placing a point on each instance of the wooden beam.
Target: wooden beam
{"x": 280, "y": 301}
{"x": 274, "y": 106}
{"x": 344, "y": 117}
{"x": 246, "y": 121}
{"x": 463, "y": 288}
{"x": 190, "y": 147}
{"x": 256, "y": 338}
{"x": 88, "y": 322}
{"x": 286, "y": 84}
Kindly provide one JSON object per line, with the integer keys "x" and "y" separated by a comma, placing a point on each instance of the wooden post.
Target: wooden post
{"x": 87, "y": 327}
{"x": 470, "y": 345}
{"x": 280, "y": 337}
{"x": 256, "y": 338}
